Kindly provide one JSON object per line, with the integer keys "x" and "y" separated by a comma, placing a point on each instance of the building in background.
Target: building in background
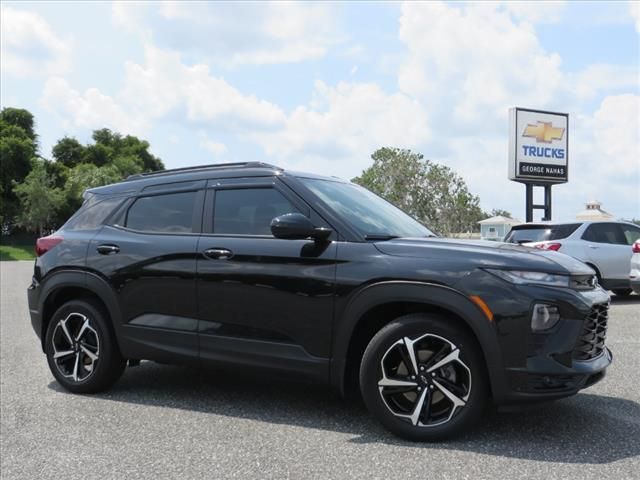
{"x": 496, "y": 228}
{"x": 594, "y": 211}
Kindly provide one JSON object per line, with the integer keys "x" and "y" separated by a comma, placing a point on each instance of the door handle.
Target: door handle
{"x": 218, "y": 253}
{"x": 593, "y": 246}
{"x": 107, "y": 249}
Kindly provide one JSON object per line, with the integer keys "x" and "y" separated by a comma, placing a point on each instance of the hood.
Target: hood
{"x": 485, "y": 254}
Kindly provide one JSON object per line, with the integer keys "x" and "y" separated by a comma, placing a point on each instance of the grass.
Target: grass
{"x": 16, "y": 252}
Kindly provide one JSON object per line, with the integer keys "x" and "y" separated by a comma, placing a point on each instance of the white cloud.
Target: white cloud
{"x": 272, "y": 32}
{"x": 30, "y": 47}
{"x": 535, "y": 10}
{"x": 89, "y": 110}
{"x": 342, "y": 125}
{"x": 162, "y": 86}
{"x": 597, "y": 78}
{"x": 217, "y": 148}
{"x": 475, "y": 57}
{"x": 634, "y": 8}
{"x": 616, "y": 133}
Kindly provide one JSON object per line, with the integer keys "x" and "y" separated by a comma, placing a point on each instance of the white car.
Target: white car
{"x": 604, "y": 246}
{"x": 634, "y": 274}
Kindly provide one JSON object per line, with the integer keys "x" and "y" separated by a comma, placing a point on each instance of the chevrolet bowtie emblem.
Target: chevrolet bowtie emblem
{"x": 543, "y": 132}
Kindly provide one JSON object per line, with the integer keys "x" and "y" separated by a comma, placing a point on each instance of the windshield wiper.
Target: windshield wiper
{"x": 380, "y": 236}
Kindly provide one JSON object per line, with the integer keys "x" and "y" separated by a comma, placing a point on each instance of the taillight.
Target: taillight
{"x": 44, "y": 244}
{"x": 635, "y": 248}
{"x": 549, "y": 246}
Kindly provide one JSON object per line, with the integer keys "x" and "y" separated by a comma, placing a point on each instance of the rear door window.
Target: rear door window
{"x": 605, "y": 233}
{"x": 170, "y": 213}
{"x": 248, "y": 211}
{"x": 541, "y": 233}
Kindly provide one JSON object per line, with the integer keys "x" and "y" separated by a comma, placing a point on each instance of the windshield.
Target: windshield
{"x": 369, "y": 214}
{"x": 540, "y": 233}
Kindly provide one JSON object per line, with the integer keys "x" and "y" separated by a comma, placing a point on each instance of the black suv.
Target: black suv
{"x": 314, "y": 277}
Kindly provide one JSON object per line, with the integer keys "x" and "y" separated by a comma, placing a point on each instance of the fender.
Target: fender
{"x": 409, "y": 291}
{"x": 80, "y": 279}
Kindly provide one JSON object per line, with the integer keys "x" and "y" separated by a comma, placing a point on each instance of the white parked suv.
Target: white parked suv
{"x": 634, "y": 274}
{"x": 604, "y": 246}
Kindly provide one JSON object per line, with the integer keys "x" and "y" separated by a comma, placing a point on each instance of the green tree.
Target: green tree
{"x": 39, "y": 199}
{"x": 17, "y": 149}
{"x": 497, "y": 212}
{"x": 432, "y": 193}
{"x": 68, "y": 151}
{"x": 20, "y": 117}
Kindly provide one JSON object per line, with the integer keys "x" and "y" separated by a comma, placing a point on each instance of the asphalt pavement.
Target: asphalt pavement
{"x": 168, "y": 422}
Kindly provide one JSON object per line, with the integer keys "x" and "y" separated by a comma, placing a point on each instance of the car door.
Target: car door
{"x": 147, "y": 253}
{"x": 263, "y": 301}
{"x": 608, "y": 250}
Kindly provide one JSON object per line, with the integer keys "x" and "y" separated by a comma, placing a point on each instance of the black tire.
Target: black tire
{"x": 622, "y": 292}
{"x": 78, "y": 372}
{"x": 425, "y": 330}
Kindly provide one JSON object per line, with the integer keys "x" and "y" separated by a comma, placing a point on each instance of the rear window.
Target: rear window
{"x": 92, "y": 213}
{"x": 540, "y": 233}
{"x": 171, "y": 213}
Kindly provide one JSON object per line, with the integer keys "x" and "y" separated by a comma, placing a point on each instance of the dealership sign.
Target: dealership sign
{"x": 538, "y": 146}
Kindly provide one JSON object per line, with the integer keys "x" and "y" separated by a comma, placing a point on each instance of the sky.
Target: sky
{"x": 320, "y": 86}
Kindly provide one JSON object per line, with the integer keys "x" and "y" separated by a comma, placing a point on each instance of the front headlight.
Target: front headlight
{"x": 519, "y": 277}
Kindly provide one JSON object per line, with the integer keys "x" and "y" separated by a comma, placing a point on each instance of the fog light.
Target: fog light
{"x": 544, "y": 317}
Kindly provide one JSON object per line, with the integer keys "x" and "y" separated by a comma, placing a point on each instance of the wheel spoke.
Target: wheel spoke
{"x": 457, "y": 401}
{"x": 63, "y": 353}
{"x": 65, "y": 330}
{"x": 75, "y": 367}
{"x": 455, "y": 355}
{"x": 412, "y": 354}
{"x": 89, "y": 353}
{"x": 82, "y": 329}
{"x": 390, "y": 382}
{"x": 415, "y": 416}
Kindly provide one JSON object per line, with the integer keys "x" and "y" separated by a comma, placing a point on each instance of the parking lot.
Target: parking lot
{"x": 169, "y": 422}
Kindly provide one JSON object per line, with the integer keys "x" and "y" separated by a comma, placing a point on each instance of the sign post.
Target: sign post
{"x": 538, "y": 153}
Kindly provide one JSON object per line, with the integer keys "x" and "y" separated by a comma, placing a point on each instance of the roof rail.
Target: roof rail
{"x": 213, "y": 166}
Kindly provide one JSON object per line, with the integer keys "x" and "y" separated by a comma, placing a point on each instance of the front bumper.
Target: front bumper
{"x": 569, "y": 357}
{"x": 544, "y": 366}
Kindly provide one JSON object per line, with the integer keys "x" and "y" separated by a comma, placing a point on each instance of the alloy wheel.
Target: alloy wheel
{"x": 76, "y": 347}
{"x": 424, "y": 381}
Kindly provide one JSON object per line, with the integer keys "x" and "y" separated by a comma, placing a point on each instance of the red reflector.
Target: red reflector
{"x": 549, "y": 246}
{"x": 44, "y": 244}
{"x": 636, "y": 247}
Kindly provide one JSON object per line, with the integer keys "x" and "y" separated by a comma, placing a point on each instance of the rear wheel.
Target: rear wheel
{"x": 81, "y": 350}
{"x": 423, "y": 378}
{"x": 622, "y": 292}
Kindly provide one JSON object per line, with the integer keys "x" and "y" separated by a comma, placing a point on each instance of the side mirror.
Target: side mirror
{"x": 295, "y": 226}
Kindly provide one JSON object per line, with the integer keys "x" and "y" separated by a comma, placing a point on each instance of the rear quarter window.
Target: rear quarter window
{"x": 541, "y": 233}
{"x": 92, "y": 213}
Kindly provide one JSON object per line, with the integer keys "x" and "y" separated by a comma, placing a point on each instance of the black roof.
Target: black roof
{"x": 139, "y": 181}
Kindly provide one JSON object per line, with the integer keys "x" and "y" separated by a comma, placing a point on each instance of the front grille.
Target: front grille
{"x": 590, "y": 343}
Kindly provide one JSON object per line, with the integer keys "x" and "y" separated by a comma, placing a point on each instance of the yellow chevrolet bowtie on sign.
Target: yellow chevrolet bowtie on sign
{"x": 543, "y": 132}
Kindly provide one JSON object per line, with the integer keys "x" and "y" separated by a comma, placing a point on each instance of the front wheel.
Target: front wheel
{"x": 81, "y": 349}
{"x": 423, "y": 378}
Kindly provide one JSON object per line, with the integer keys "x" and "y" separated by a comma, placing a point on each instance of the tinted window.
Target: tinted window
{"x": 540, "y": 233}
{"x": 631, "y": 233}
{"x": 172, "y": 213}
{"x": 92, "y": 213}
{"x": 367, "y": 212}
{"x": 605, "y": 233}
{"x": 248, "y": 211}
